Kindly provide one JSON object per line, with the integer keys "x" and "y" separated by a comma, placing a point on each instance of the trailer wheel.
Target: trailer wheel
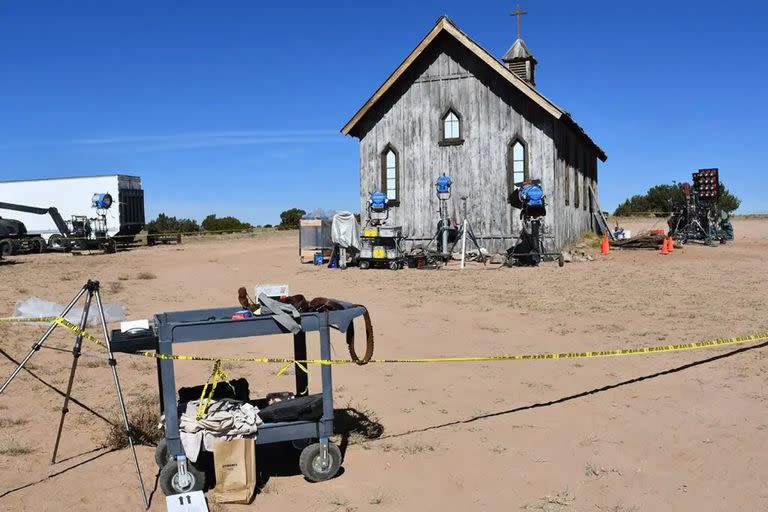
{"x": 38, "y": 245}
{"x": 6, "y": 248}
{"x": 394, "y": 265}
{"x": 312, "y": 465}
{"x": 364, "y": 265}
{"x": 58, "y": 242}
{"x": 169, "y": 479}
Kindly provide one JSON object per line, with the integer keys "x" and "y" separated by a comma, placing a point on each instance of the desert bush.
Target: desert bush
{"x": 146, "y": 276}
{"x": 143, "y": 418}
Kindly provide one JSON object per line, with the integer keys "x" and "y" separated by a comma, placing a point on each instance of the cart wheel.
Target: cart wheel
{"x": 161, "y": 454}
{"x": 560, "y": 260}
{"x": 364, "y": 265}
{"x": 312, "y": 465}
{"x": 169, "y": 479}
{"x": 393, "y": 265}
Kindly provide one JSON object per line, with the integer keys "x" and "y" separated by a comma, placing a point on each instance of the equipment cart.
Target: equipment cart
{"x": 318, "y": 461}
{"x": 381, "y": 246}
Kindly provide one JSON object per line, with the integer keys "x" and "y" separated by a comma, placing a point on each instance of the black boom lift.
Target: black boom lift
{"x": 78, "y": 233}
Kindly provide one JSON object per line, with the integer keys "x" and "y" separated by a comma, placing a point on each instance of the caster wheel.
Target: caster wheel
{"x": 393, "y": 265}
{"x": 170, "y": 482}
{"x": 312, "y": 465}
{"x": 364, "y": 265}
{"x": 300, "y": 444}
{"x": 161, "y": 454}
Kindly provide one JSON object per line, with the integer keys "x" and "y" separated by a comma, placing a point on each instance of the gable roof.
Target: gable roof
{"x": 445, "y": 25}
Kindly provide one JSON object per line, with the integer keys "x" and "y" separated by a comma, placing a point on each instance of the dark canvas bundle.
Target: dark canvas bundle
{"x": 300, "y": 408}
{"x": 236, "y": 389}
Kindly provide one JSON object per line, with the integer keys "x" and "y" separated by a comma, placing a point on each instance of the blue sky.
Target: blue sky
{"x": 235, "y": 107}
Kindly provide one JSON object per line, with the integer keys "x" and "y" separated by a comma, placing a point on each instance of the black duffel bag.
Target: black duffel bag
{"x": 306, "y": 408}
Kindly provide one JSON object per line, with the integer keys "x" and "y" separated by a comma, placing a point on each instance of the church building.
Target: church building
{"x": 451, "y": 107}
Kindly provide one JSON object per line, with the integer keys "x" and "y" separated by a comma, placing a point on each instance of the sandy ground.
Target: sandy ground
{"x": 619, "y": 434}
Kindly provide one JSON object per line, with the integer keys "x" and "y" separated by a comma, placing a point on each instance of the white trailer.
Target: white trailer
{"x": 72, "y": 197}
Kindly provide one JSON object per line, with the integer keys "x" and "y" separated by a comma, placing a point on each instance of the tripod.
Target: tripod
{"x": 91, "y": 288}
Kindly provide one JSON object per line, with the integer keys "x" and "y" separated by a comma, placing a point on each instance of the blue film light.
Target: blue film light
{"x": 443, "y": 184}
{"x": 378, "y": 201}
{"x": 101, "y": 201}
{"x": 532, "y": 195}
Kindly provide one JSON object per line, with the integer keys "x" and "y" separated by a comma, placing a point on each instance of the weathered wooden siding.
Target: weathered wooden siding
{"x": 493, "y": 114}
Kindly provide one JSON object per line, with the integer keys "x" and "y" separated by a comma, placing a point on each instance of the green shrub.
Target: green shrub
{"x": 224, "y": 224}
{"x": 165, "y": 224}
{"x": 289, "y": 219}
{"x": 660, "y": 199}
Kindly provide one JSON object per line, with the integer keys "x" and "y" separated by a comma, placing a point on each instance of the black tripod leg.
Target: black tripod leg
{"x": 42, "y": 339}
{"x": 76, "y": 351}
{"x": 65, "y": 407}
{"x": 121, "y": 401}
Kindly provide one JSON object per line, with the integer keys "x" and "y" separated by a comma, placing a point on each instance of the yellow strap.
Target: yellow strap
{"x": 204, "y": 401}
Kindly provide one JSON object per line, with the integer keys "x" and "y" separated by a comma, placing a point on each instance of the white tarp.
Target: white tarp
{"x": 35, "y": 307}
{"x": 345, "y": 230}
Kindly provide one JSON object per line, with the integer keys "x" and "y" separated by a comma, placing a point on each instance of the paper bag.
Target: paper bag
{"x": 235, "y": 466}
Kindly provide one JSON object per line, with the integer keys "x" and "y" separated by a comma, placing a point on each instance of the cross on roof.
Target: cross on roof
{"x": 518, "y": 13}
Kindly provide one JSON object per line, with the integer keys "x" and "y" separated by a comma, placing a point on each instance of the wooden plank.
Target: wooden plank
{"x": 599, "y": 216}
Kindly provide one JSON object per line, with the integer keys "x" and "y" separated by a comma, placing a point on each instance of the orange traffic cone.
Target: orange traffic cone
{"x": 605, "y": 246}
{"x": 665, "y": 246}
{"x": 670, "y": 244}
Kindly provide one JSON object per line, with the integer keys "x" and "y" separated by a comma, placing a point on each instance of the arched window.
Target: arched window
{"x": 390, "y": 174}
{"x": 451, "y": 130}
{"x": 517, "y": 161}
{"x": 451, "y": 126}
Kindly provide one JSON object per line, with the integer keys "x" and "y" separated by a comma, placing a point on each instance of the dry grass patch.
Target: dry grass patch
{"x": 552, "y": 503}
{"x": 146, "y": 276}
{"x": 12, "y": 422}
{"x": 12, "y": 449}
{"x": 358, "y": 424}
{"x": 143, "y": 417}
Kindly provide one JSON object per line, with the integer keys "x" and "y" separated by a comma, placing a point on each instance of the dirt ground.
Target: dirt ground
{"x": 644, "y": 433}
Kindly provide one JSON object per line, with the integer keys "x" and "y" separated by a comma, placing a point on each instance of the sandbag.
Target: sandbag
{"x": 235, "y": 465}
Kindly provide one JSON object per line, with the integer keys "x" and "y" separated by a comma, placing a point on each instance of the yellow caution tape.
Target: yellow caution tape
{"x": 248, "y": 231}
{"x": 76, "y": 329}
{"x": 32, "y": 320}
{"x": 286, "y": 362}
{"x": 302, "y": 363}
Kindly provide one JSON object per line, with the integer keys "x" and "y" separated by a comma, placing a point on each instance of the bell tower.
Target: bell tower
{"x": 519, "y": 58}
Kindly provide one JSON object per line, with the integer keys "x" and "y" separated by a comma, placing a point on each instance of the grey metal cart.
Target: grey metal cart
{"x": 318, "y": 461}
